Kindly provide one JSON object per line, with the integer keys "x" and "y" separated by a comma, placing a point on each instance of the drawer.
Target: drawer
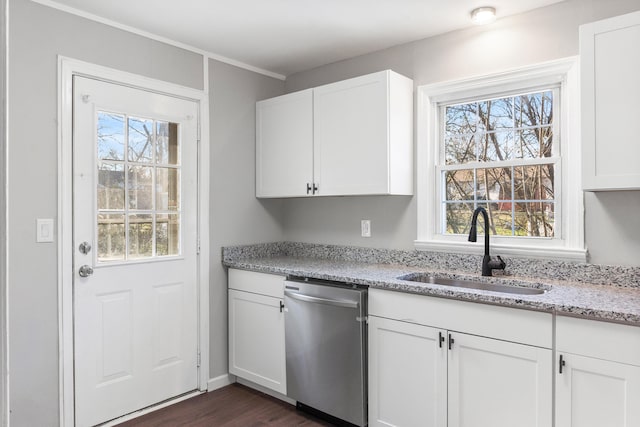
{"x": 503, "y": 323}
{"x": 602, "y": 340}
{"x": 258, "y": 283}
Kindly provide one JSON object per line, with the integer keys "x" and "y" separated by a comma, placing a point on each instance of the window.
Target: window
{"x": 506, "y": 143}
{"x": 499, "y": 154}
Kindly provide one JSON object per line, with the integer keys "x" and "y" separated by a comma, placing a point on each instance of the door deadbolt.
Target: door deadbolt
{"x": 84, "y": 248}
{"x": 85, "y": 271}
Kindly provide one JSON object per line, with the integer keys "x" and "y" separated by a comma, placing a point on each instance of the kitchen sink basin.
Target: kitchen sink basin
{"x": 472, "y": 284}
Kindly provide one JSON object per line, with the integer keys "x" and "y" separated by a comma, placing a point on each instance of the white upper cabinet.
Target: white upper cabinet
{"x": 363, "y": 140}
{"x": 610, "y": 66}
{"x": 353, "y": 137}
{"x": 284, "y": 145}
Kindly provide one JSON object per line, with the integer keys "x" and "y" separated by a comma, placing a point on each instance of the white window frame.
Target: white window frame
{"x": 568, "y": 243}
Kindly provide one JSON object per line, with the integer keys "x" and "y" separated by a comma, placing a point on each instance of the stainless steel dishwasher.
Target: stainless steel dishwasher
{"x": 325, "y": 340}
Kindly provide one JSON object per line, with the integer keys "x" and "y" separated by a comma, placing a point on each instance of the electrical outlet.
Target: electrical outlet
{"x": 365, "y": 227}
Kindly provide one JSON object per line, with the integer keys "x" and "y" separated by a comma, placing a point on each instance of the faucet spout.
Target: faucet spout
{"x": 488, "y": 264}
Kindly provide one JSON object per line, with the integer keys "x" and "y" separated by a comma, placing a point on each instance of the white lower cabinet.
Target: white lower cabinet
{"x": 496, "y": 383}
{"x": 256, "y": 329}
{"x": 407, "y": 374}
{"x": 423, "y": 373}
{"x": 598, "y": 374}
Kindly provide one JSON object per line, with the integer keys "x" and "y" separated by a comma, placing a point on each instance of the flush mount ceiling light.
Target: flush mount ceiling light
{"x": 483, "y": 15}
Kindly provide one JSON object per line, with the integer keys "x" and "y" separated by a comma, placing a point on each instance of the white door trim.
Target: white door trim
{"x": 4, "y": 292}
{"x": 67, "y": 68}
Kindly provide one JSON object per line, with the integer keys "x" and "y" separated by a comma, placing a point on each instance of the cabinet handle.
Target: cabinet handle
{"x": 561, "y": 364}
{"x": 440, "y": 339}
{"x": 451, "y": 341}
{"x": 308, "y": 188}
{"x": 315, "y": 188}
{"x": 281, "y": 306}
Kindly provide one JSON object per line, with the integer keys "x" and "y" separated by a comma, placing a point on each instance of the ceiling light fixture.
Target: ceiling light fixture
{"x": 483, "y": 15}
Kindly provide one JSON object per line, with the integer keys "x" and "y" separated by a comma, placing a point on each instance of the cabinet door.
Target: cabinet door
{"x": 496, "y": 383}
{"x": 284, "y": 145}
{"x": 594, "y": 393}
{"x": 256, "y": 339}
{"x": 610, "y": 91}
{"x": 350, "y": 136}
{"x": 407, "y": 375}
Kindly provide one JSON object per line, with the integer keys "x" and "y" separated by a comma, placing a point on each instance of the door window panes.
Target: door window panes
{"x": 140, "y": 147}
{"x": 140, "y": 236}
{"x": 138, "y": 188}
{"x": 167, "y": 234}
{"x": 111, "y": 237}
{"x": 111, "y": 136}
{"x": 167, "y": 197}
{"x": 167, "y": 149}
{"x": 110, "y": 186}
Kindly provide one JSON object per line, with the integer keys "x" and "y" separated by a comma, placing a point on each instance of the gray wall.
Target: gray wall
{"x": 237, "y": 217}
{"x": 611, "y": 220}
{"x": 38, "y": 35}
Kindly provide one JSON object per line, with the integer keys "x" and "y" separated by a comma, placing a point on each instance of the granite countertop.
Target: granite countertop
{"x": 565, "y": 297}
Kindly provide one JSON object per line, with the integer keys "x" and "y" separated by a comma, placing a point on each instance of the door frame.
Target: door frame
{"x": 67, "y": 68}
{"x": 4, "y": 292}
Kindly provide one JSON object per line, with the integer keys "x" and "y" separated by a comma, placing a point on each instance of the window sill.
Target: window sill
{"x": 539, "y": 251}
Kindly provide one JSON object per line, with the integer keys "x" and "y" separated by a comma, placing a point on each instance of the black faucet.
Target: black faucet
{"x": 488, "y": 264}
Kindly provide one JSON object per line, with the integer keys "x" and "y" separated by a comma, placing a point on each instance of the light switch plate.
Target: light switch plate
{"x": 44, "y": 230}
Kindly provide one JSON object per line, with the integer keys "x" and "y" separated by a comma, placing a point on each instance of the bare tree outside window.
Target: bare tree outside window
{"x": 498, "y": 154}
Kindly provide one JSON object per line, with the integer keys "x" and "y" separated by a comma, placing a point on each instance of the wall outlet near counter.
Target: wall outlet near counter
{"x": 365, "y": 227}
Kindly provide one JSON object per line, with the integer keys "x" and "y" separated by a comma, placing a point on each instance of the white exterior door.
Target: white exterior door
{"x": 135, "y": 249}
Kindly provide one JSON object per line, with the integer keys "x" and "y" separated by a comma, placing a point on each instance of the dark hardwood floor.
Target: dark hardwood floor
{"x": 231, "y": 406}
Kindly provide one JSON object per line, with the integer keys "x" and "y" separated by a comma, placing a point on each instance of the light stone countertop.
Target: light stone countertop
{"x": 594, "y": 301}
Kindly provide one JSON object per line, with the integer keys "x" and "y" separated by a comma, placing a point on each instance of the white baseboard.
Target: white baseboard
{"x": 266, "y": 391}
{"x": 221, "y": 381}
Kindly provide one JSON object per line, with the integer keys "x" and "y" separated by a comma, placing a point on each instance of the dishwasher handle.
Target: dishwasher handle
{"x": 318, "y": 300}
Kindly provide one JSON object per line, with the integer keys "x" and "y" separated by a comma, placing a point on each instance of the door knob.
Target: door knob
{"x": 84, "y": 248}
{"x": 85, "y": 271}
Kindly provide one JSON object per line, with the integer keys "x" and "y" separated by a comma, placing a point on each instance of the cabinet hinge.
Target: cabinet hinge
{"x": 362, "y": 319}
{"x": 198, "y": 365}
{"x": 198, "y": 247}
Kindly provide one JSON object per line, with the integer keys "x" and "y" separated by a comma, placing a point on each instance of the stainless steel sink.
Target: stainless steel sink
{"x": 472, "y": 284}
